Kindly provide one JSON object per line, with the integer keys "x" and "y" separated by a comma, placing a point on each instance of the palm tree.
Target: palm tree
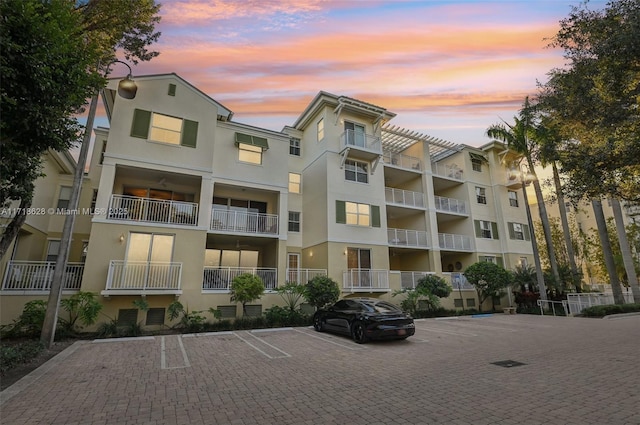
{"x": 519, "y": 137}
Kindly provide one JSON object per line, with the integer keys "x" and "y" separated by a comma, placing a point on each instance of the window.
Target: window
{"x": 486, "y": 229}
{"x": 481, "y": 195}
{"x": 294, "y": 146}
{"x": 476, "y": 164}
{"x": 488, "y": 259}
{"x": 293, "y": 267}
{"x": 294, "y": 221}
{"x": 85, "y": 251}
{"x": 94, "y": 199}
{"x": 149, "y": 257}
{"x": 294, "y": 182}
{"x": 519, "y": 231}
{"x": 164, "y": 128}
{"x": 357, "y": 214}
{"x": 524, "y": 262}
{"x": 249, "y": 153}
{"x": 64, "y": 197}
{"x": 320, "y": 129}
{"x": 102, "y": 151}
{"x": 155, "y": 316}
{"x": 127, "y": 316}
{"x": 52, "y": 250}
{"x": 513, "y": 198}
{"x": 354, "y": 134}
{"x": 359, "y": 266}
{"x": 356, "y": 171}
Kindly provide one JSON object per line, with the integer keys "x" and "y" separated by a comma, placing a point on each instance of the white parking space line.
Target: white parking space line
{"x": 262, "y": 342}
{"x": 326, "y": 339}
{"x": 163, "y": 354}
{"x": 456, "y": 333}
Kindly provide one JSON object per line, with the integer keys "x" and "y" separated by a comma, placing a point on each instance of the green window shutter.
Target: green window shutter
{"x": 527, "y": 232}
{"x": 375, "y": 216}
{"x": 500, "y": 261}
{"x": 172, "y": 90}
{"x": 341, "y": 212}
{"x": 140, "y": 125}
{"x": 494, "y": 230}
{"x": 476, "y": 223}
{"x": 512, "y": 233}
{"x": 189, "y": 133}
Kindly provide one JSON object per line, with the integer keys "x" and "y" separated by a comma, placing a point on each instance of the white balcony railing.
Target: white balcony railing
{"x": 404, "y": 197}
{"x": 359, "y": 140}
{"x": 244, "y": 222}
{"x": 220, "y": 278}
{"x": 455, "y": 242}
{"x": 124, "y": 207}
{"x": 144, "y": 276}
{"x": 405, "y": 237}
{"x": 365, "y": 280}
{"x": 450, "y": 205}
{"x": 37, "y": 276}
{"x": 409, "y": 280}
{"x": 303, "y": 276}
{"x": 451, "y": 171}
{"x": 402, "y": 161}
{"x": 457, "y": 281}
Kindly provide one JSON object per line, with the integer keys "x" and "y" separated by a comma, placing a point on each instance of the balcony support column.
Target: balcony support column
{"x": 105, "y": 189}
{"x": 206, "y": 200}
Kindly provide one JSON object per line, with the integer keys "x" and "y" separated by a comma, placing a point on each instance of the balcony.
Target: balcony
{"x": 243, "y": 222}
{"x": 514, "y": 179}
{"x": 408, "y": 238}
{"x": 365, "y": 280}
{"x": 358, "y": 145}
{"x": 36, "y": 276}
{"x": 458, "y": 281}
{"x": 133, "y": 208}
{"x": 303, "y": 276}
{"x": 143, "y": 278}
{"x": 220, "y": 278}
{"x": 402, "y": 161}
{"x": 454, "y": 242}
{"x": 450, "y": 205}
{"x": 409, "y": 280}
{"x": 404, "y": 197}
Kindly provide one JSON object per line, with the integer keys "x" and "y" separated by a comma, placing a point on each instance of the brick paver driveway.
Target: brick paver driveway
{"x": 575, "y": 371}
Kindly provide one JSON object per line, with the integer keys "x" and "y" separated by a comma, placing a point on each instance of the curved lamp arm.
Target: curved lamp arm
{"x": 127, "y": 88}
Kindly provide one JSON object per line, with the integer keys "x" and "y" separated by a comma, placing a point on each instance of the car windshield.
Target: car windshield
{"x": 382, "y": 307}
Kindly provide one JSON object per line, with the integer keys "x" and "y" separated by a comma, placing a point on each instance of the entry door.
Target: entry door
{"x": 293, "y": 266}
{"x": 148, "y": 261}
{"x": 355, "y": 134}
{"x": 359, "y": 265}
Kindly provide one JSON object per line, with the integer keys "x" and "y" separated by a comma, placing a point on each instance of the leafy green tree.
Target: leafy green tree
{"x": 489, "y": 279}
{"x": 429, "y": 290}
{"x": 524, "y": 276}
{"x": 292, "y": 293}
{"x": 53, "y": 54}
{"x": 245, "y": 288}
{"x": 83, "y": 308}
{"x": 321, "y": 291}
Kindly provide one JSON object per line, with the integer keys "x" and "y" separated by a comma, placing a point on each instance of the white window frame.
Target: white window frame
{"x": 485, "y": 229}
{"x": 518, "y": 231}
{"x": 358, "y": 171}
{"x": 320, "y": 129}
{"x": 295, "y": 183}
{"x": 169, "y": 132}
{"x": 294, "y": 220}
{"x": 476, "y": 165}
{"x": 513, "y": 198}
{"x": 249, "y": 154}
{"x": 53, "y": 245}
{"x": 64, "y": 197}
{"x": 481, "y": 195}
{"x": 294, "y": 146}
{"x": 358, "y": 214}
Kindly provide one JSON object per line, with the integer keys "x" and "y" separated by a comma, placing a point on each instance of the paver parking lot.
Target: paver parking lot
{"x": 574, "y": 371}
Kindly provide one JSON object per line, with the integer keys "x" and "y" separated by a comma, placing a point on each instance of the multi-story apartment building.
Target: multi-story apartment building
{"x": 183, "y": 199}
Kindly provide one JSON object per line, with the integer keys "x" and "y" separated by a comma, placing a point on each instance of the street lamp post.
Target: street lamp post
{"x": 126, "y": 89}
{"x": 534, "y": 243}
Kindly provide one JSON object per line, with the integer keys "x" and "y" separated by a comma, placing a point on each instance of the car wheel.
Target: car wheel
{"x": 317, "y": 323}
{"x": 358, "y": 333}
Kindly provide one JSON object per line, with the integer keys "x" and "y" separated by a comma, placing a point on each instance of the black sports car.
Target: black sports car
{"x": 364, "y": 319}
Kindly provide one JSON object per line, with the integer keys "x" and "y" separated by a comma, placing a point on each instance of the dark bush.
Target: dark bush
{"x": 277, "y": 316}
{"x": 606, "y": 310}
{"x": 15, "y": 354}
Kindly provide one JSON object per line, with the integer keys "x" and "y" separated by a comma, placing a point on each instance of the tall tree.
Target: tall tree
{"x": 606, "y": 249}
{"x": 520, "y": 138}
{"x": 52, "y": 55}
{"x": 625, "y": 251}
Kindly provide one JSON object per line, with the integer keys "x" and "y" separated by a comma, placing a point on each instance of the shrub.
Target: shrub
{"x": 321, "y": 291}
{"x": 284, "y": 316}
{"x": 13, "y": 355}
{"x": 605, "y": 310}
{"x": 29, "y": 324}
{"x": 83, "y": 307}
{"x": 246, "y": 288}
{"x": 192, "y": 321}
{"x": 291, "y": 293}
{"x": 489, "y": 279}
{"x": 428, "y": 290}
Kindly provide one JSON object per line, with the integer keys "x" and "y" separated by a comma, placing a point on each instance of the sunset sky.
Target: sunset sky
{"x": 446, "y": 68}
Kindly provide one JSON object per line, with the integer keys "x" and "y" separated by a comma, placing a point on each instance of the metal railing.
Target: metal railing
{"x": 447, "y": 170}
{"x": 365, "y": 280}
{"x": 457, "y": 281}
{"x": 450, "y": 205}
{"x": 578, "y": 302}
{"x": 409, "y": 280}
{"x": 37, "y": 276}
{"x": 456, "y": 242}
{"x": 402, "y": 161}
{"x": 405, "y": 237}
{"x": 143, "y": 275}
{"x": 554, "y": 307}
{"x": 303, "y": 276}
{"x": 220, "y": 278}
{"x": 243, "y": 222}
{"x": 404, "y": 197}
{"x": 124, "y": 207}
{"x": 357, "y": 139}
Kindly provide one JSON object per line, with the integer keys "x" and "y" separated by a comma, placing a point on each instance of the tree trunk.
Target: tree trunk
{"x": 544, "y": 218}
{"x": 542, "y": 288}
{"x": 625, "y": 249}
{"x": 575, "y": 277}
{"x": 12, "y": 229}
{"x": 607, "y": 252}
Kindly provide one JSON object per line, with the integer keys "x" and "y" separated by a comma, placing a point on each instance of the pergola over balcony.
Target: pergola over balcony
{"x": 397, "y": 139}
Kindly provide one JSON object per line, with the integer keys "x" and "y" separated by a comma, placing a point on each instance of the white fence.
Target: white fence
{"x": 406, "y": 237}
{"x": 123, "y": 207}
{"x": 303, "y": 276}
{"x": 220, "y": 278}
{"x": 243, "y": 222}
{"x": 143, "y": 275}
{"x": 578, "y": 302}
{"x": 37, "y": 276}
{"x": 365, "y": 280}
